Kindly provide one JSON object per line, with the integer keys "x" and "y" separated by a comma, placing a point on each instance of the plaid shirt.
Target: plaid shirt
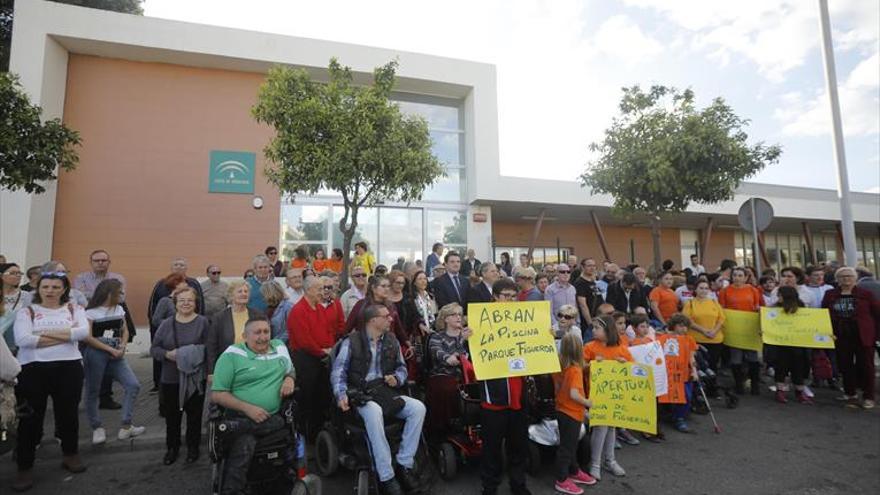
{"x": 87, "y": 282}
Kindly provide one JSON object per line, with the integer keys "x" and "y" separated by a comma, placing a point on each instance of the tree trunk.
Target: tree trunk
{"x": 348, "y": 230}
{"x": 655, "y": 236}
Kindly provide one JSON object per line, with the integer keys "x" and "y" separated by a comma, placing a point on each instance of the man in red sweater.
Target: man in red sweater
{"x": 311, "y": 339}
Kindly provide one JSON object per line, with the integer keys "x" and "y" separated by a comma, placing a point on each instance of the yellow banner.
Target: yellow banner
{"x": 807, "y": 327}
{"x": 742, "y": 329}
{"x": 511, "y": 339}
{"x": 623, "y": 396}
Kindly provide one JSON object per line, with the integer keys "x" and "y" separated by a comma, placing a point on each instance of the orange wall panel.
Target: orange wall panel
{"x": 141, "y": 188}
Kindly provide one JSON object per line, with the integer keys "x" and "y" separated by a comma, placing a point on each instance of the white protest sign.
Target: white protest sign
{"x": 651, "y": 354}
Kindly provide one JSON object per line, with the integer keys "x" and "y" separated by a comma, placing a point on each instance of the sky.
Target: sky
{"x": 561, "y": 64}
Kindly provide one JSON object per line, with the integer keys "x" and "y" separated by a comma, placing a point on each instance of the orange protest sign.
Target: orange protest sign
{"x": 677, "y": 350}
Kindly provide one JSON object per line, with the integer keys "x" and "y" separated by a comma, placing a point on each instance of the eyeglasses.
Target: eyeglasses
{"x": 359, "y": 275}
{"x": 272, "y": 253}
{"x": 215, "y": 273}
{"x": 14, "y": 274}
{"x": 567, "y": 317}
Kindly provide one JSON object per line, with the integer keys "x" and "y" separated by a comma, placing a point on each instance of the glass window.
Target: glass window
{"x": 367, "y": 229}
{"x": 447, "y": 147}
{"x": 303, "y": 223}
{"x": 446, "y": 226}
{"x": 287, "y": 250}
{"x": 449, "y": 188}
{"x": 438, "y": 116}
{"x": 401, "y": 235}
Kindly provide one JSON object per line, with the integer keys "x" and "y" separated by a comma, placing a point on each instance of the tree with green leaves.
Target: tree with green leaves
{"x": 31, "y": 151}
{"x": 662, "y": 153}
{"x": 7, "y": 13}
{"x": 344, "y": 137}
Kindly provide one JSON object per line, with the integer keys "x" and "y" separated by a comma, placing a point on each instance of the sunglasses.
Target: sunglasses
{"x": 53, "y": 274}
{"x": 567, "y": 317}
{"x": 215, "y": 273}
{"x": 272, "y": 253}
{"x": 564, "y": 271}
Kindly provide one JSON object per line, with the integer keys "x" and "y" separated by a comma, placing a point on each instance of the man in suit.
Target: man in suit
{"x": 482, "y": 292}
{"x": 470, "y": 264}
{"x": 451, "y": 287}
{"x": 626, "y": 294}
{"x": 433, "y": 259}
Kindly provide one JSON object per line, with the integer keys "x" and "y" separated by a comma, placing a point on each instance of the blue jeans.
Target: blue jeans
{"x": 95, "y": 362}
{"x": 414, "y": 415}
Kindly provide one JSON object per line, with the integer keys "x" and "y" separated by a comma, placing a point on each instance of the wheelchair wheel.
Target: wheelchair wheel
{"x": 308, "y": 485}
{"x": 533, "y": 460}
{"x": 326, "y": 453}
{"x": 363, "y": 482}
{"x": 447, "y": 461}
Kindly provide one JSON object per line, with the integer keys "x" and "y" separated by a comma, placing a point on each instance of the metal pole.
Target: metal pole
{"x": 755, "y": 237}
{"x": 846, "y": 219}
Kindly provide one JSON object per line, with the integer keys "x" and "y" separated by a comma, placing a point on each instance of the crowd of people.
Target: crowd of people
{"x": 355, "y": 349}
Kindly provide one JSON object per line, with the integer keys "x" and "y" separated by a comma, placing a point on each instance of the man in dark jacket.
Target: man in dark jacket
{"x": 482, "y": 292}
{"x": 503, "y": 419}
{"x": 451, "y": 287}
{"x": 357, "y": 374}
{"x": 626, "y": 295}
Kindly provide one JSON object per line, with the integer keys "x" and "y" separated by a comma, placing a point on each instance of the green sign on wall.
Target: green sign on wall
{"x": 232, "y": 172}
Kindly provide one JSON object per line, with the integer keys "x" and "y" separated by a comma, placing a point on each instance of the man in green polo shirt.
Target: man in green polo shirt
{"x": 250, "y": 379}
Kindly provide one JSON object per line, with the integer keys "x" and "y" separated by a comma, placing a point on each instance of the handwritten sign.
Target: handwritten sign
{"x": 742, "y": 330}
{"x": 512, "y": 339}
{"x": 623, "y": 396}
{"x": 807, "y": 327}
{"x": 651, "y": 354}
{"x": 678, "y": 350}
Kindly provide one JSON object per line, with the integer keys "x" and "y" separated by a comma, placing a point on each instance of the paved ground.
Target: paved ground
{"x": 765, "y": 448}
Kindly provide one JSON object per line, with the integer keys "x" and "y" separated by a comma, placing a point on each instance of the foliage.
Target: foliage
{"x": 662, "y": 154}
{"x": 346, "y": 138}
{"x": 30, "y": 150}
{"x": 6, "y": 18}
{"x": 457, "y": 232}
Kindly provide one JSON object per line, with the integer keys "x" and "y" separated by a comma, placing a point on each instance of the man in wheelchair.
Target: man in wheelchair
{"x": 367, "y": 374}
{"x": 250, "y": 380}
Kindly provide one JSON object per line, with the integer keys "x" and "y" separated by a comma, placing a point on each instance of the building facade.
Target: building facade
{"x": 161, "y": 106}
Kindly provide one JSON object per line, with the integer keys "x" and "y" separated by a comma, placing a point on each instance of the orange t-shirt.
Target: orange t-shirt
{"x": 666, "y": 301}
{"x": 678, "y": 351}
{"x": 319, "y": 265}
{"x": 570, "y": 378}
{"x": 640, "y": 341}
{"x": 745, "y": 298}
{"x": 334, "y": 265}
{"x": 298, "y": 263}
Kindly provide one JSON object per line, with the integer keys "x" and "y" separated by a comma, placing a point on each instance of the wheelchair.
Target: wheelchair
{"x": 278, "y": 465}
{"x": 543, "y": 427}
{"x": 462, "y": 440}
{"x": 343, "y": 442}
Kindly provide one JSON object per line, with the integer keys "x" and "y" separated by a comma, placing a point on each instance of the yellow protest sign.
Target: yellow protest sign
{"x": 807, "y": 327}
{"x": 742, "y": 330}
{"x": 623, "y": 396}
{"x": 511, "y": 339}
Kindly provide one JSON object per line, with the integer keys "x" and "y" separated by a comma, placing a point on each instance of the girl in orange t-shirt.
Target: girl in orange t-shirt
{"x": 605, "y": 345}
{"x": 319, "y": 264}
{"x": 662, "y": 298}
{"x": 571, "y": 408}
{"x": 744, "y": 297}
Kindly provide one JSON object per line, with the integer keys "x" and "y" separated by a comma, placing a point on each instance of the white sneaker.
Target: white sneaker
{"x": 595, "y": 471}
{"x": 99, "y": 436}
{"x": 809, "y": 393}
{"x": 130, "y": 432}
{"x": 615, "y": 468}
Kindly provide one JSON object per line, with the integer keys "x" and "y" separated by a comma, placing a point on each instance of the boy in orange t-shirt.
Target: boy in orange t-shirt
{"x": 678, "y": 350}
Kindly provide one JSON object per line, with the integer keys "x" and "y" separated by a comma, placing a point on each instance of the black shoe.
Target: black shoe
{"x": 170, "y": 456}
{"x": 520, "y": 490}
{"x": 390, "y": 487}
{"x": 408, "y": 479}
{"x": 192, "y": 455}
{"x": 109, "y": 404}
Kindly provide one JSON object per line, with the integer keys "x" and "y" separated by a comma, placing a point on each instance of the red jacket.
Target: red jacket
{"x": 867, "y": 314}
{"x": 308, "y": 328}
{"x": 335, "y": 318}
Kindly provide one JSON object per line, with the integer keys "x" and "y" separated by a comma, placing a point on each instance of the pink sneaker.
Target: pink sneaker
{"x": 582, "y": 478}
{"x": 569, "y": 487}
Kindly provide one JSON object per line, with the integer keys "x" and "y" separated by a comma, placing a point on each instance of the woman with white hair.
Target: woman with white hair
{"x": 855, "y": 316}
{"x": 566, "y": 319}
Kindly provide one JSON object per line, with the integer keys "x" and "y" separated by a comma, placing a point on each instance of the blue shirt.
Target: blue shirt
{"x": 339, "y": 374}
